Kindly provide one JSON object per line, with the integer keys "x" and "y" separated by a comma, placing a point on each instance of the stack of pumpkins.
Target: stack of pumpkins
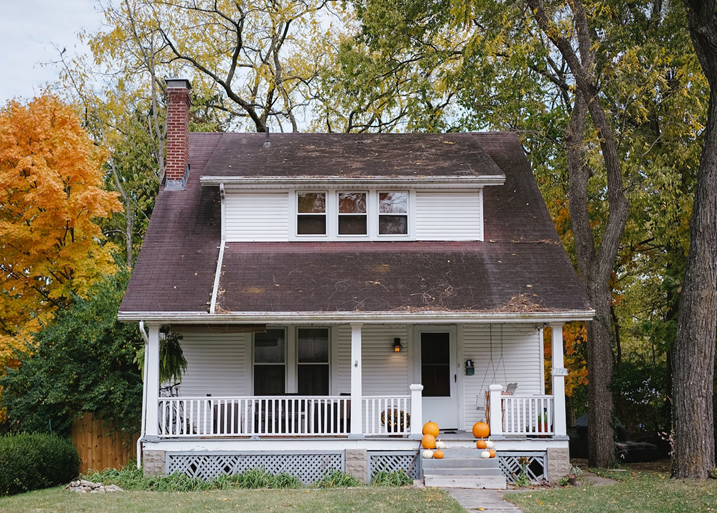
{"x": 429, "y": 442}
{"x": 481, "y": 430}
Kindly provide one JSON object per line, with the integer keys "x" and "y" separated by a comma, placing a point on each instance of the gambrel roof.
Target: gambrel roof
{"x": 521, "y": 265}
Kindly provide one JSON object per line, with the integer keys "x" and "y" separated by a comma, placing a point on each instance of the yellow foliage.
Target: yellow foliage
{"x": 50, "y": 194}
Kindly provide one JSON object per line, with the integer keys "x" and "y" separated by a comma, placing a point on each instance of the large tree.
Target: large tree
{"x": 694, "y": 451}
{"x": 51, "y": 196}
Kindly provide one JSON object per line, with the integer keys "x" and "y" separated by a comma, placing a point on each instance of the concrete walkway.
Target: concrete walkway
{"x": 490, "y": 501}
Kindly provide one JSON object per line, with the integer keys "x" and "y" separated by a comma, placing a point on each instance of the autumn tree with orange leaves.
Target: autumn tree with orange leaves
{"x": 51, "y": 194}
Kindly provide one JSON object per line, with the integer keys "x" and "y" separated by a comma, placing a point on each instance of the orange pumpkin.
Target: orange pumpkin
{"x": 430, "y": 428}
{"x": 492, "y": 453}
{"x": 428, "y": 442}
{"x": 481, "y": 444}
{"x": 481, "y": 430}
{"x": 438, "y": 455}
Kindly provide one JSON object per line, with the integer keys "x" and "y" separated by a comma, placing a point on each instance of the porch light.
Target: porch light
{"x": 397, "y": 345}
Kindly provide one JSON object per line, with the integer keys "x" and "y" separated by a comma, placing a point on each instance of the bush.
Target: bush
{"x": 397, "y": 478}
{"x": 131, "y": 478}
{"x": 30, "y": 462}
{"x": 335, "y": 478}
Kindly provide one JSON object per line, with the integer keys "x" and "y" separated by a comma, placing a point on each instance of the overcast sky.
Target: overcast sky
{"x": 28, "y": 28}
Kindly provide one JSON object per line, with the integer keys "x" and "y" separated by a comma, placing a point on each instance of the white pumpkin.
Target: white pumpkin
{"x": 489, "y": 444}
{"x": 485, "y": 455}
{"x": 429, "y": 454}
{"x": 440, "y": 445}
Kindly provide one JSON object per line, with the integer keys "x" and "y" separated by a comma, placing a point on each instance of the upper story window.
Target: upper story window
{"x": 353, "y": 216}
{"x": 311, "y": 213}
{"x": 393, "y": 213}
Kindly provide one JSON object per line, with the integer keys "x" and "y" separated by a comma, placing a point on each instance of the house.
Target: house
{"x": 336, "y": 291}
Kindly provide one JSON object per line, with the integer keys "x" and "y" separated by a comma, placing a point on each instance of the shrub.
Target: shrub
{"x": 397, "y": 478}
{"x": 131, "y": 478}
{"x": 30, "y": 462}
{"x": 335, "y": 478}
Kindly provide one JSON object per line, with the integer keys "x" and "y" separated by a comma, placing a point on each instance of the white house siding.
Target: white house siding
{"x": 216, "y": 364}
{"x": 448, "y": 216}
{"x": 521, "y": 362}
{"x": 385, "y": 372}
{"x": 257, "y": 216}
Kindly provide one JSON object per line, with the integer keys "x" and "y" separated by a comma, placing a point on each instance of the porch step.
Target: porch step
{"x": 462, "y": 471}
{"x": 477, "y": 463}
{"x": 488, "y": 482}
{"x": 463, "y": 453}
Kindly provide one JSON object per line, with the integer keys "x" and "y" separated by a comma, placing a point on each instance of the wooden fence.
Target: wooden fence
{"x": 97, "y": 448}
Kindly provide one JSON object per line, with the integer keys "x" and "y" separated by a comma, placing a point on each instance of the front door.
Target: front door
{"x": 438, "y": 377}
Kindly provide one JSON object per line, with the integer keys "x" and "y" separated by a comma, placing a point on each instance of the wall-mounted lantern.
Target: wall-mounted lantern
{"x": 397, "y": 345}
{"x": 470, "y": 369}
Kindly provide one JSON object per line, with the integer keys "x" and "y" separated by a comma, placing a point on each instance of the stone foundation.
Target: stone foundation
{"x": 153, "y": 463}
{"x": 357, "y": 464}
{"x": 558, "y": 463}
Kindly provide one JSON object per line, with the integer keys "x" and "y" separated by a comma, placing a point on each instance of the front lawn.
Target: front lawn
{"x": 57, "y": 500}
{"x": 637, "y": 492}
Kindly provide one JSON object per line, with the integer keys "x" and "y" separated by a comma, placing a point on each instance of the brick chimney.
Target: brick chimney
{"x": 179, "y": 98}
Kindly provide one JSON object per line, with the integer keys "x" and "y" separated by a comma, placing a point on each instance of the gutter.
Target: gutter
{"x": 220, "y": 259}
{"x": 417, "y": 182}
{"x": 398, "y": 317}
{"x": 143, "y": 426}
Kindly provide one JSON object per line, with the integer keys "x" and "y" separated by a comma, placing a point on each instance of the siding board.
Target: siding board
{"x": 448, "y": 216}
{"x": 257, "y": 217}
{"x": 216, "y": 364}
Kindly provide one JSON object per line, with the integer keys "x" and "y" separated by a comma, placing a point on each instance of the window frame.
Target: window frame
{"x": 409, "y": 215}
{"x": 285, "y": 363}
{"x": 327, "y": 225}
{"x": 328, "y": 362}
{"x": 367, "y": 214}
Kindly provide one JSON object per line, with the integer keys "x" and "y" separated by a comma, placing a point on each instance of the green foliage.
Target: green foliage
{"x": 131, "y": 478}
{"x": 172, "y": 364}
{"x": 563, "y": 481}
{"x": 397, "y": 478}
{"x": 82, "y": 363}
{"x": 30, "y": 462}
{"x": 639, "y": 390}
{"x": 335, "y": 478}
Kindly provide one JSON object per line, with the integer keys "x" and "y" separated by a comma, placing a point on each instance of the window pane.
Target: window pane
{"x": 436, "y": 380}
{"x": 352, "y": 202}
{"x": 312, "y": 202}
{"x": 393, "y": 202}
{"x": 269, "y": 347}
{"x": 435, "y": 348}
{"x": 352, "y": 225}
{"x": 313, "y": 379}
{"x": 311, "y": 225}
{"x": 313, "y": 345}
{"x": 269, "y": 380}
{"x": 393, "y": 225}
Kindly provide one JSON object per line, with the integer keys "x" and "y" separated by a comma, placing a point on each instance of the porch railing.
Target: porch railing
{"x": 249, "y": 416}
{"x": 387, "y": 415}
{"x": 528, "y": 415}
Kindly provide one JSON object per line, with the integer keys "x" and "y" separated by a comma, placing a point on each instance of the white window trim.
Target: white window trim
{"x": 409, "y": 215}
{"x": 329, "y": 362}
{"x": 352, "y": 236}
{"x": 287, "y": 353}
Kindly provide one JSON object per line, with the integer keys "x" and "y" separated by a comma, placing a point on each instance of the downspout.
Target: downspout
{"x": 220, "y": 259}
{"x": 143, "y": 426}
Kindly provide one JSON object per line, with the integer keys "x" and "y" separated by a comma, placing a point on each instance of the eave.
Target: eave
{"x": 415, "y": 182}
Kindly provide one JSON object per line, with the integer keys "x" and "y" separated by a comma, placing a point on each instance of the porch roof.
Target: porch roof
{"x": 520, "y": 271}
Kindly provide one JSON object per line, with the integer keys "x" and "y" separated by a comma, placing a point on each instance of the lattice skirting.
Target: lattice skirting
{"x": 537, "y": 469}
{"x": 392, "y": 461}
{"x": 308, "y": 467}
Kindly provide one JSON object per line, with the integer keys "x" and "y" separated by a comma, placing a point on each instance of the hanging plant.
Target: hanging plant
{"x": 172, "y": 364}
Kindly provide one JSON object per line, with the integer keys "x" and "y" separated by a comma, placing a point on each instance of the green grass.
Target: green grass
{"x": 637, "y": 492}
{"x": 57, "y": 500}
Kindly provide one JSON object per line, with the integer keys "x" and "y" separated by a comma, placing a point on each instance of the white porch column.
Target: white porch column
{"x": 151, "y": 361}
{"x": 416, "y": 411}
{"x": 356, "y": 385}
{"x": 496, "y": 410}
{"x": 558, "y": 372}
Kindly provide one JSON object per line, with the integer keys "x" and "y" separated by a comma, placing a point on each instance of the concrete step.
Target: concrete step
{"x": 489, "y": 482}
{"x": 462, "y": 471}
{"x": 462, "y": 452}
{"x": 461, "y": 462}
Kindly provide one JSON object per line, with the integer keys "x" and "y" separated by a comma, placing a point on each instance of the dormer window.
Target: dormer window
{"x": 311, "y": 213}
{"x": 353, "y": 213}
{"x": 392, "y": 213}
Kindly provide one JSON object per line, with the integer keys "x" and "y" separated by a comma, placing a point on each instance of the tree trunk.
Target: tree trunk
{"x": 694, "y": 451}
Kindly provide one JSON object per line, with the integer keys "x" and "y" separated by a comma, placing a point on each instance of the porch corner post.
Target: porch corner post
{"x": 151, "y": 362}
{"x": 558, "y": 373}
{"x": 496, "y": 410}
{"x": 416, "y": 411}
{"x": 356, "y": 385}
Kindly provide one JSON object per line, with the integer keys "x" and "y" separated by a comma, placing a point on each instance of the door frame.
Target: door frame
{"x": 456, "y": 388}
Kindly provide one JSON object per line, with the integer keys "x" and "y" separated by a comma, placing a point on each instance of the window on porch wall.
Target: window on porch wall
{"x": 269, "y": 362}
{"x": 313, "y": 361}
